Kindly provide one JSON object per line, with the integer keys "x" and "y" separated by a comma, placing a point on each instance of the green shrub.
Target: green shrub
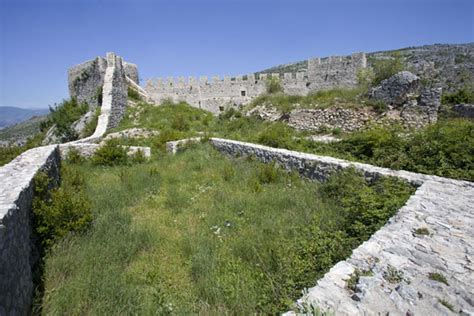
{"x": 138, "y": 156}
{"x": 267, "y": 173}
{"x": 180, "y": 123}
{"x": 273, "y": 85}
{"x": 110, "y": 154}
{"x": 463, "y": 95}
{"x": 276, "y": 135}
{"x": 385, "y": 68}
{"x": 74, "y": 156}
{"x": 59, "y": 211}
{"x": 62, "y": 116}
{"x": 133, "y": 94}
{"x": 365, "y": 79}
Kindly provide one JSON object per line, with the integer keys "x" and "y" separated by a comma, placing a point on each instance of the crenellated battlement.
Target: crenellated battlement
{"x": 218, "y": 92}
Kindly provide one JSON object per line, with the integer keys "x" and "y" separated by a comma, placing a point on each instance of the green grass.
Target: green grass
{"x": 445, "y": 148}
{"x": 438, "y": 277}
{"x": 338, "y": 97}
{"x": 199, "y": 233}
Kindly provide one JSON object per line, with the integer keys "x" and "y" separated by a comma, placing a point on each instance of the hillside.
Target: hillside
{"x": 10, "y": 115}
{"x": 20, "y": 132}
{"x": 450, "y": 66}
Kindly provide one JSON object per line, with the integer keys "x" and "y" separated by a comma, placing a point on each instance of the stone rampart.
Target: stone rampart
{"x": 18, "y": 252}
{"x": 85, "y": 81}
{"x": 217, "y": 94}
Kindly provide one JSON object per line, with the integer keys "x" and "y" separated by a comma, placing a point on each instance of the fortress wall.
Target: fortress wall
{"x": 18, "y": 253}
{"x": 131, "y": 71}
{"x": 215, "y": 94}
{"x": 335, "y": 71}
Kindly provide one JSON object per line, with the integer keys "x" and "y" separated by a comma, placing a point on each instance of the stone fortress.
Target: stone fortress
{"x": 218, "y": 94}
{"x": 442, "y": 205}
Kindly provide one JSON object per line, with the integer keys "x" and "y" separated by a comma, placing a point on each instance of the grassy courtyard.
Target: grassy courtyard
{"x": 200, "y": 233}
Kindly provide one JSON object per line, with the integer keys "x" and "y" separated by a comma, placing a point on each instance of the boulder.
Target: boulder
{"x": 397, "y": 90}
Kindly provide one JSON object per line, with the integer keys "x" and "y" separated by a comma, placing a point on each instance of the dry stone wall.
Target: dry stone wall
{"x": 18, "y": 253}
{"x": 399, "y": 259}
{"x": 218, "y": 94}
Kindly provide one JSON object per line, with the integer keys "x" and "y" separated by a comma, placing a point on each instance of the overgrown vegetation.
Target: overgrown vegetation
{"x": 62, "y": 116}
{"x": 199, "y": 233}
{"x": 273, "y": 85}
{"x": 464, "y": 95}
{"x": 385, "y": 68}
{"x": 110, "y": 154}
{"x": 62, "y": 210}
{"x": 133, "y": 94}
{"x": 445, "y": 148}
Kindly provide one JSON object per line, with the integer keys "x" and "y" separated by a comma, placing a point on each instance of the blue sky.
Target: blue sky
{"x": 40, "y": 39}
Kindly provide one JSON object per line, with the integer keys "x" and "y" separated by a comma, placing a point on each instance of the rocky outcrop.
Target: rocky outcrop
{"x": 415, "y": 105}
{"x": 464, "y": 110}
{"x": 397, "y": 90}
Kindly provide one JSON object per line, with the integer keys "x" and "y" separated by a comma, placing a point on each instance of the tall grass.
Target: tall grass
{"x": 198, "y": 233}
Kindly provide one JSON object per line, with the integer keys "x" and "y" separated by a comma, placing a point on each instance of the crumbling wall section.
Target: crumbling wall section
{"x": 85, "y": 81}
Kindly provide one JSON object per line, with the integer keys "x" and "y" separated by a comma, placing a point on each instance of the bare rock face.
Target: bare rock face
{"x": 464, "y": 110}
{"x": 397, "y": 90}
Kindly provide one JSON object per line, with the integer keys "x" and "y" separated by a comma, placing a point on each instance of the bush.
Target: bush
{"x": 276, "y": 135}
{"x": 273, "y": 85}
{"x": 385, "y": 68}
{"x": 463, "y": 95}
{"x": 110, "y": 154}
{"x": 133, "y": 94}
{"x": 74, "y": 156}
{"x": 62, "y": 116}
{"x": 62, "y": 210}
{"x": 138, "y": 156}
{"x": 365, "y": 78}
{"x": 267, "y": 173}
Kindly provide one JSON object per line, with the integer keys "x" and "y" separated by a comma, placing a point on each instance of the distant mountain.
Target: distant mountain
{"x": 10, "y": 115}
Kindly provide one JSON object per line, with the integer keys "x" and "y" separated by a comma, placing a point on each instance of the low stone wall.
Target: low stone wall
{"x": 87, "y": 150}
{"x": 174, "y": 146}
{"x": 399, "y": 259}
{"x": 311, "y": 166}
{"x": 347, "y": 120}
{"x": 18, "y": 253}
